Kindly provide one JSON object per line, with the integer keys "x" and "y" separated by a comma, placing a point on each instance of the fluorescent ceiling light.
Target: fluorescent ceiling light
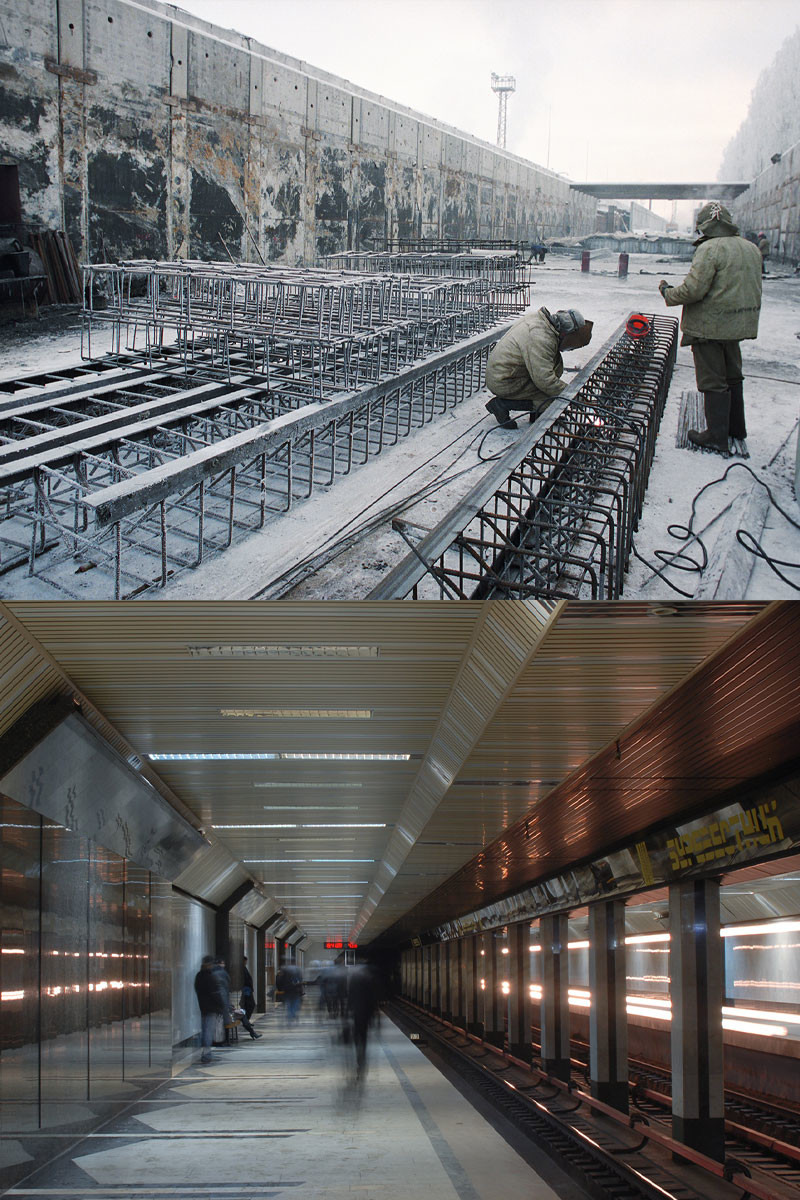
{"x": 349, "y": 825}
{"x": 351, "y": 757}
{"x": 242, "y": 757}
{"x": 310, "y": 807}
{"x": 255, "y": 826}
{"x": 313, "y": 882}
{"x": 306, "y": 842}
{"x": 285, "y": 651}
{"x": 761, "y": 927}
{"x": 274, "y": 783}
{"x": 302, "y": 714}
{"x": 308, "y": 860}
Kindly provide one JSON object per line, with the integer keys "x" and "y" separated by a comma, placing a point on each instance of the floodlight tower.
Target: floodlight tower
{"x": 503, "y": 85}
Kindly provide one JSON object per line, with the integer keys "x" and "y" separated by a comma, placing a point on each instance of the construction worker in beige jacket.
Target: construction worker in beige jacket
{"x": 721, "y": 298}
{"x": 524, "y": 369}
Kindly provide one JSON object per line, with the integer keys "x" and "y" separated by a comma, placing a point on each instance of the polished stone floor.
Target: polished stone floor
{"x": 285, "y": 1116}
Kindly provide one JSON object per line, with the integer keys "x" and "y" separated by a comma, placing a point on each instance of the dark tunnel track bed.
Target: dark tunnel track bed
{"x": 561, "y": 1119}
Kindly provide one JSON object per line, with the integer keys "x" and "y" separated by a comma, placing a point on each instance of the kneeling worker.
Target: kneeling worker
{"x": 721, "y": 298}
{"x": 524, "y": 369}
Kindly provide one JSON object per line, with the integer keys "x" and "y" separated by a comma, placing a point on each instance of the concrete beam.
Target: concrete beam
{"x": 661, "y": 191}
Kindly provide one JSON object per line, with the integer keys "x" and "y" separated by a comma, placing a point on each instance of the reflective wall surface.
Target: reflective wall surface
{"x": 86, "y": 983}
{"x": 192, "y": 937}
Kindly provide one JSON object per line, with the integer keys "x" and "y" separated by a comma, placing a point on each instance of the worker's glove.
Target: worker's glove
{"x": 662, "y": 287}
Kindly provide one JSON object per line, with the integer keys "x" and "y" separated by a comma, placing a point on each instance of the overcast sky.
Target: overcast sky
{"x": 606, "y": 89}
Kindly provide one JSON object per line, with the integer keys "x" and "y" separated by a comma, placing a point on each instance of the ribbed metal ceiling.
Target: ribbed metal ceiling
{"x": 496, "y": 704}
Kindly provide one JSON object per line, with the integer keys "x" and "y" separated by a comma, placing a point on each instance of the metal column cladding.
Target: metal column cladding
{"x": 554, "y": 932}
{"x": 608, "y": 1017}
{"x": 519, "y": 1003}
{"x": 697, "y": 985}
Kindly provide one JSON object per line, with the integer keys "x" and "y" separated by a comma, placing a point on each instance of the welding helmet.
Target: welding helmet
{"x": 573, "y": 328}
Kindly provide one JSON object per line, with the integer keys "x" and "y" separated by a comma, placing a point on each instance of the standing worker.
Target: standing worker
{"x": 763, "y": 249}
{"x": 524, "y": 369}
{"x": 721, "y": 298}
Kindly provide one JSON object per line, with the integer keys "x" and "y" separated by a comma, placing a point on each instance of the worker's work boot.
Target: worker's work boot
{"x": 736, "y": 425}
{"x": 715, "y": 437}
{"x": 499, "y": 410}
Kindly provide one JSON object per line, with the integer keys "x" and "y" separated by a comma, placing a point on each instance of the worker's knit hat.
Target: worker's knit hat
{"x": 714, "y": 219}
{"x": 567, "y": 320}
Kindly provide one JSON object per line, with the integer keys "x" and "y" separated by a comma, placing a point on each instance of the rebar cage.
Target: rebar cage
{"x": 231, "y": 393}
{"x": 556, "y": 517}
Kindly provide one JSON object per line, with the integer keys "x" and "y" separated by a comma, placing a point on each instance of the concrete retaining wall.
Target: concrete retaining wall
{"x": 772, "y": 203}
{"x": 146, "y": 132}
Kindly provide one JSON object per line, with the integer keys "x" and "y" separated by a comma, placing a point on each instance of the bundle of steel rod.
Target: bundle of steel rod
{"x": 332, "y": 328}
{"x": 135, "y": 473}
{"x": 557, "y": 514}
{"x": 499, "y": 267}
{"x": 452, "y": 245}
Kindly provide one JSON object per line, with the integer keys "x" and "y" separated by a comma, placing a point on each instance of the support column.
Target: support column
{"x": 427, "y": 977}
{"x": 493, "y": 1022}
{"x": 697, "y": 974}
{"x": 471, "y": 964}
{"x": 457, "y": 983}
{"x": 445, "y": 981}
{"x": 608, "y": 1017}
{"x": 436, "y": 979}
{"x": 519, "y": 1005}
{"x": 555, "y": 999}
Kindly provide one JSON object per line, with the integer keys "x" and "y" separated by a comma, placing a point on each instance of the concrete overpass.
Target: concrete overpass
{"x": 662, "y": 191}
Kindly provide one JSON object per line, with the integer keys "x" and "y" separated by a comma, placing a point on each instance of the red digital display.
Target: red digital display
{"x": 269, "y": 945}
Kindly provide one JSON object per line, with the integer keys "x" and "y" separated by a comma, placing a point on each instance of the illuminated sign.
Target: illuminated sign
{"x": 340, "y": 945}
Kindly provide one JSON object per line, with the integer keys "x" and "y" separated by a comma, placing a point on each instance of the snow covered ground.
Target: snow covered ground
{"x": 340, "y": 543}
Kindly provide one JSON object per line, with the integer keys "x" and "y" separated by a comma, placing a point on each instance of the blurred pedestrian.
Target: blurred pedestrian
{"x": 524, "y": 369}
{"x": 211, "y": 1001}
{"x": 289, "y": 981}
{"x": 362, "y": 1000}
{"x": 329, "y": 989}
{"x": 763, "y": 249}
{"x": 247, "y": 1000}
{"x": 721, "y": 298}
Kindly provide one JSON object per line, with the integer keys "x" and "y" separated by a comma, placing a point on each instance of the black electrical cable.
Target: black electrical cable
{"x": 685, "y": 533}
{"x": 339, "y": 543}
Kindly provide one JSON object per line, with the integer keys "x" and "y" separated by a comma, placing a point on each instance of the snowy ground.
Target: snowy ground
{"x": 339, "y": 544}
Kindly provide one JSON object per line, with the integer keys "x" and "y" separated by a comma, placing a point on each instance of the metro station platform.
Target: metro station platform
{"x": 284, "y": 1116}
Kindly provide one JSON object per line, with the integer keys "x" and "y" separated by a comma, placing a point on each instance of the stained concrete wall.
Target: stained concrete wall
{"x": 146, "y": 132}
{"x": 772, "y": 203}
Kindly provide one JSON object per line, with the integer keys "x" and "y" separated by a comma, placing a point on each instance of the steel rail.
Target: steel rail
{"x": 729, "y": 1171}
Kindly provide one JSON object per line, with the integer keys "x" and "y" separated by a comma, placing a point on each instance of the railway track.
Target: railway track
{"x": 611, "y": 1159}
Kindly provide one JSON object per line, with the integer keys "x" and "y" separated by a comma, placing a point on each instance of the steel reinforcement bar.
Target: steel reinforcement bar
{"x": 555, "y": 517}
{"x": 139, "y": 494}
{"x": 325, "y": 326}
